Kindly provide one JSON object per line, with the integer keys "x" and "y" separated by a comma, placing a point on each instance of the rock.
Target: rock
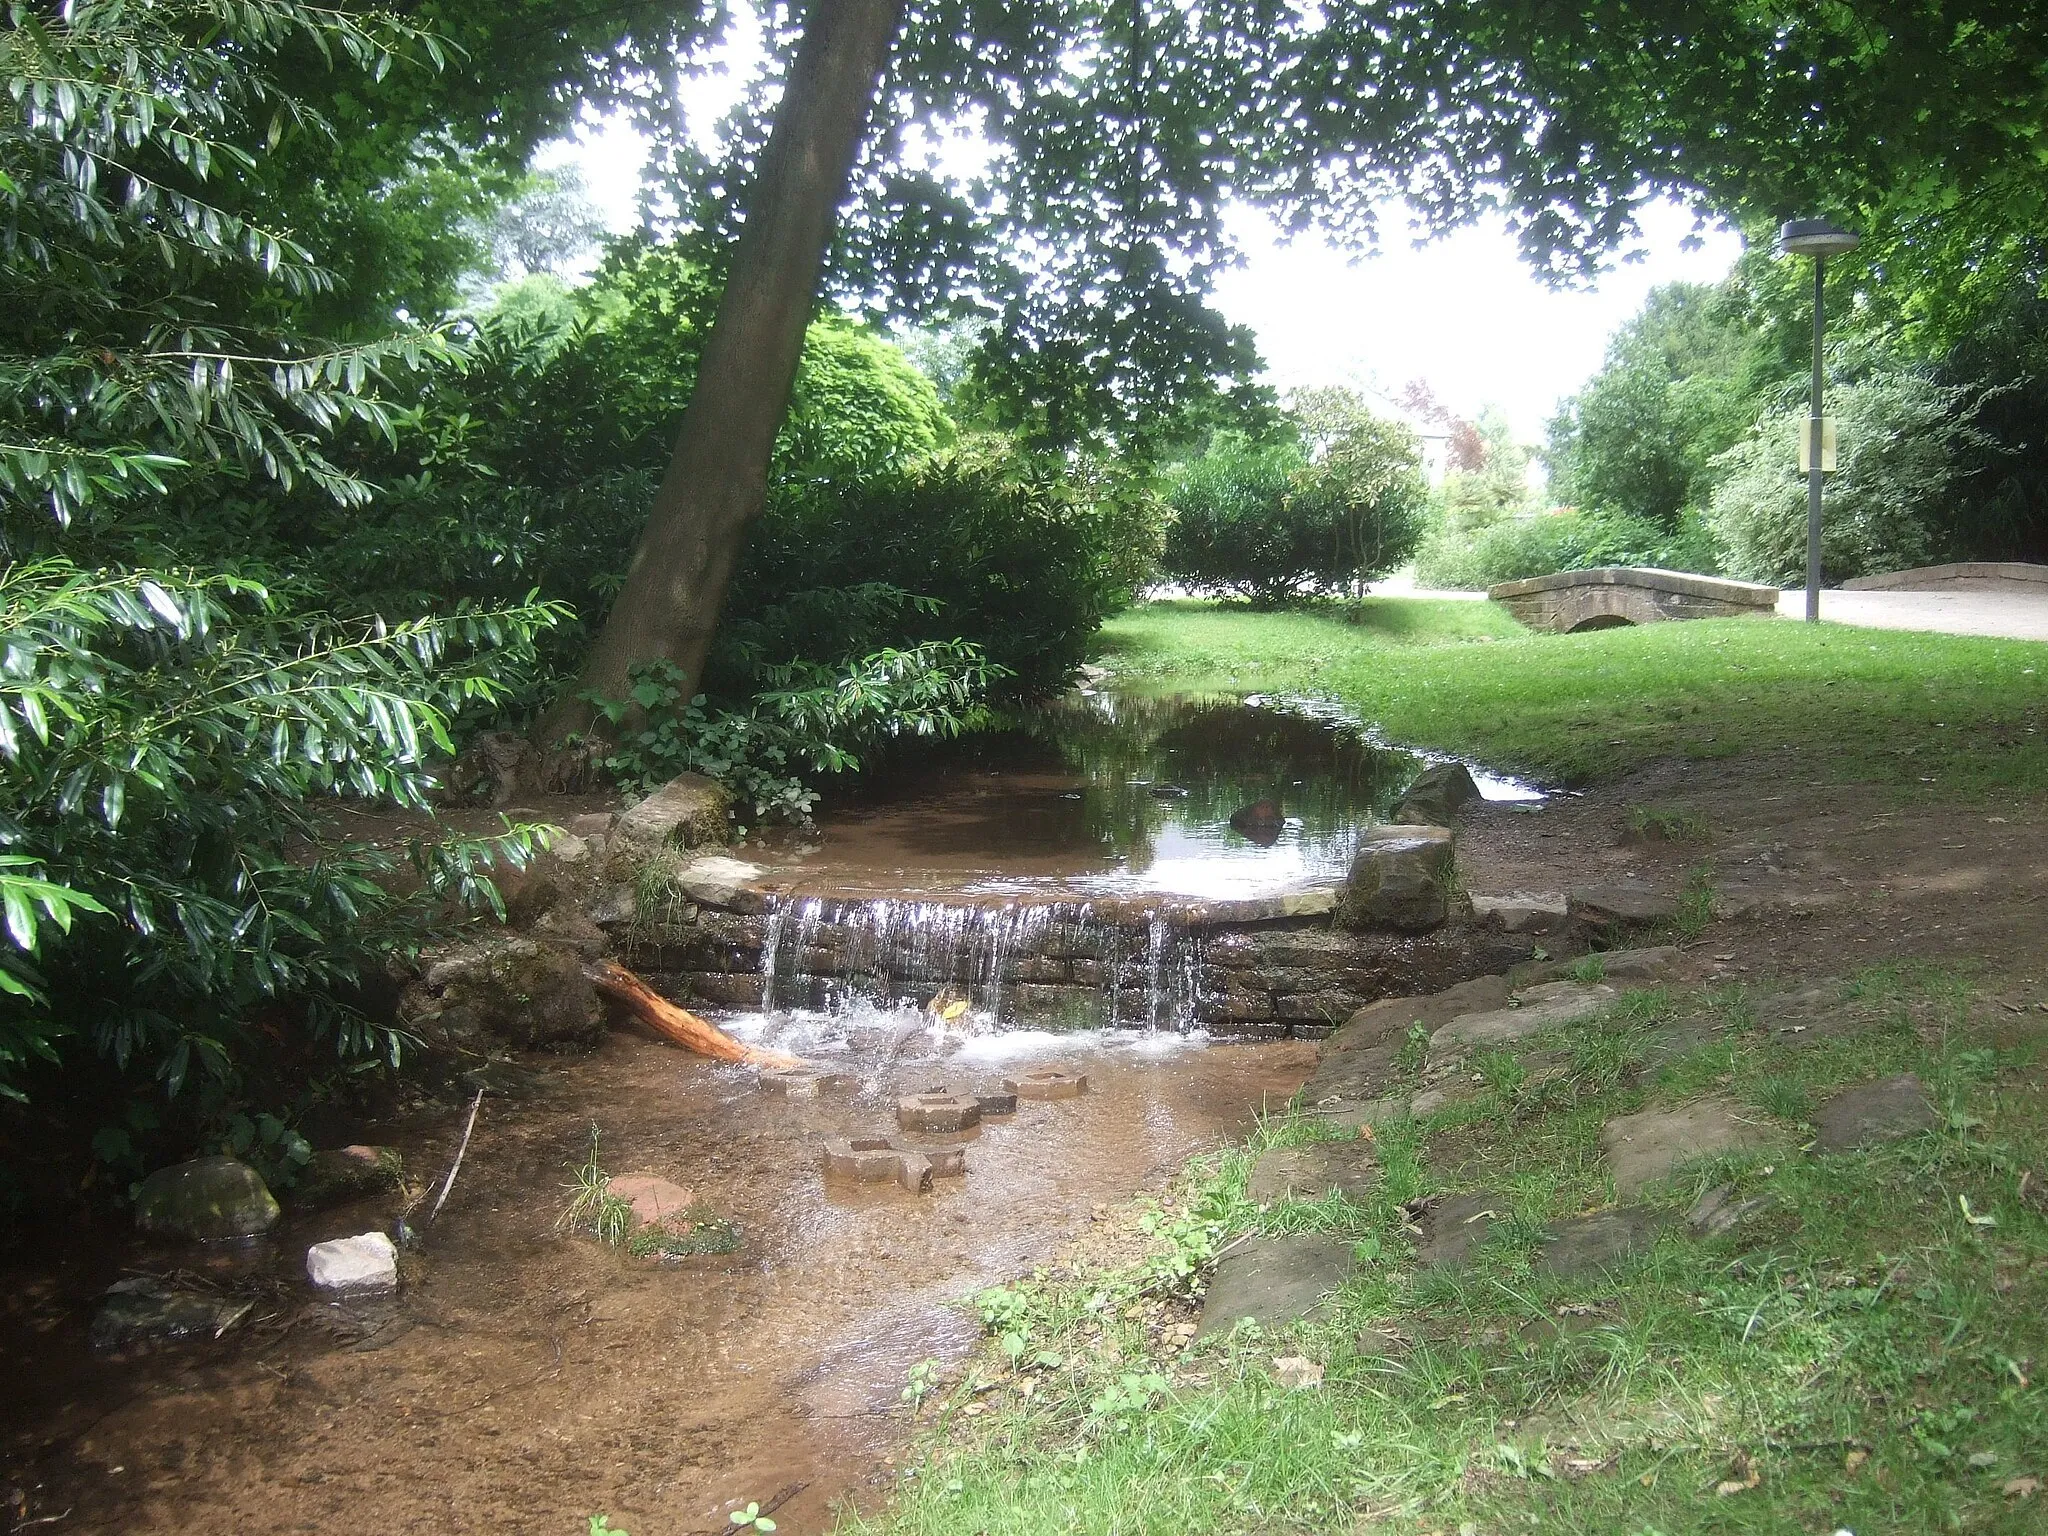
{"x": 1400, "y": 878}
{"x": 1889, "y": 1110}
{"x": 145, "y": 1311}
{"x": 574, "y": 929}
{"x": 513, "y": 990}
{"x": 689, "y": 811}
{"x": 341, "y": 1174}
{"x": 1392, "y": 1017}
{"x": 1453, "y": 1228}
{"x": 717, "y": 881}
{"x": 1635, "y": 967}
{"x": 615, "y": 906}
{"x": 1275, "y": 1281}
{"x": 1436, "y": 795}
{"x": 1352, "y": 1114}
{"x": 1521, "y": 914}
{"x": 1718, "y": 1211}
{"x": 1344, "y": 1168}
{"x": 367, "y": 1262}
{"x": 1260, "y": 821}
{"x": 1550, "y": 1006}
{"x": 590, "y": 824}
{"x": 1646, "y": 1147}
{"x": 653, "y": 1199}
{"x": 1626, "y": 905}
{"x": 1586, "y": 1245}
{"x": 500, "y": 764}
{"x": 209, "y": 1199}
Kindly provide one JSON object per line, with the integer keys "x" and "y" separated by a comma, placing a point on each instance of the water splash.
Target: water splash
{"x": 1014, "y": 963}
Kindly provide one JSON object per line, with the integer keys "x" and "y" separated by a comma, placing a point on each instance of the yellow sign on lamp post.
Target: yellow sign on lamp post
{"x": 1827, "y": 445}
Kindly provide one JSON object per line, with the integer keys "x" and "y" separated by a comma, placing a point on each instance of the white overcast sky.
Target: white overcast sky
{"x": 1463, "y": 313}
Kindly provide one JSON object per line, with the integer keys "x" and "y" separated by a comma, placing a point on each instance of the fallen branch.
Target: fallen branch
{"x": 460, "y": 1152}
{"x": 679, "y": 1024}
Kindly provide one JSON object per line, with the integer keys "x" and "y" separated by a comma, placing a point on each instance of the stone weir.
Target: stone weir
{"x": 1298, "y": 964}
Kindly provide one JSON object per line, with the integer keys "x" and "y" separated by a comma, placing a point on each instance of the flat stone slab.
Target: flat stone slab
{"x": 1646, "y": 1147}
{"x": 1455, "y": 1227}
{"x": 653, "y": 1199}
{"x": 1877, "y": 1112}
{"x": 1344, "y": 1168}
{"x": 1550, "y": 1006}
{"x": 367, "y": 1262}
{"x": 1722, "y": 1209}
{"x": 1392, "y": 1017}
{"x": 1586, "y": 1245}
{"x": 1275, "y": 1281}
{"x": 1623, "y": 905}
{"x": 145, "y": 1311}
{"x": 1521, "y": 914}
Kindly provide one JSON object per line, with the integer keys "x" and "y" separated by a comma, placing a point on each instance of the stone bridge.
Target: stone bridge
{"x": 1614, "y": 595}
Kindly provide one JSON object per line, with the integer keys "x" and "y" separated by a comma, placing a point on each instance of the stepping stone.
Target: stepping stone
{"x": 1354, "y": 1113}
{"x": 1454, "y": 1227}
{"x": 1365, "y": 1074}
{"x": 1521, "y": 914}
{"x": 1391, "y": 1018}
{"x": 1624, "y": 905}
{"x": 1546, "y": 1007}
{"x": 1275, "y": 1281}
{"x": 1586, "y": 1245}
{"x": 1643, "y": 1148}
{"x": 653, "y": 1199}
{"x": 1889, "y": 1110}
{"x": 368, "y": 1262}
{"x": 1718, "y": 1212}
{"x": 1343, "y": 1168}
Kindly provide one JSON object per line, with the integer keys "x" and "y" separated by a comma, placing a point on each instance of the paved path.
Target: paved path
{"x": 2014, "y": 615}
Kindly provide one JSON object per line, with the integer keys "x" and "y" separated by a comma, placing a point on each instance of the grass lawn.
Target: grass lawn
{"x": 1863, "y": 1355}
{"x": 1962, "y": 715}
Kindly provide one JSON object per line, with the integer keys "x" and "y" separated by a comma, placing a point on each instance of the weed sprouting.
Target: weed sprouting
{"x": 593, "y": 1207}
{"x": 1414, "y": 1050}
{"x": 1588, "y": 969}
{"x": 1667, "y": 824}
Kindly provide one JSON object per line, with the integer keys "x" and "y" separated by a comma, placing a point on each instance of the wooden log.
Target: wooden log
{"x": 679, "y": 1024}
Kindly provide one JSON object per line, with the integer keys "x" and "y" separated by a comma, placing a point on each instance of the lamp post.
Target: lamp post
{"x": 1820, "y": 240}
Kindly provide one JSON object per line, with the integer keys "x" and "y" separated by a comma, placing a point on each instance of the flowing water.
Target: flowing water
{"x": 526, "y": 1378}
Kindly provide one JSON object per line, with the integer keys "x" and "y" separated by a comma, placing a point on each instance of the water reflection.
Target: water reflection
{"x": 1205, "y": 797}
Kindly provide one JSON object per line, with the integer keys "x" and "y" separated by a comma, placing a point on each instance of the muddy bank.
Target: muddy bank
{"x": 524, "y": 1379}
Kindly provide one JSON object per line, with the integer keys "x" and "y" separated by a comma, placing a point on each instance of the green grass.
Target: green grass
{"x": 1944, "y": 714}
{"x": 1862, "y": 1355}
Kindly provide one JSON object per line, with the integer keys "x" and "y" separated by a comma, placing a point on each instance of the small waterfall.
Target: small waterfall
{"x": 1027, "y": 964}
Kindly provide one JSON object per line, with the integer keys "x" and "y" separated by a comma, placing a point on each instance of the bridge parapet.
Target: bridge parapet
{"x": 1612, "y": 595}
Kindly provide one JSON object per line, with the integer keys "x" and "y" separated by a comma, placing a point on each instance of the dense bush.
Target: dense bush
{"x": 1898, "y": 433}
{"x": 1518, "y": 547}
{"x": 164, "y": 742}
{"x": 1340, "y": 503}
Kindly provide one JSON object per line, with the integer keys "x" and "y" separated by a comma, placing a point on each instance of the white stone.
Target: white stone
{"x": 717, "y": 881}
{"x": 367, "y": 1262}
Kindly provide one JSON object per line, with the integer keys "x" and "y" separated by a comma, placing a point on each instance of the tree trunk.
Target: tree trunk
{"x": 717, "y": 480}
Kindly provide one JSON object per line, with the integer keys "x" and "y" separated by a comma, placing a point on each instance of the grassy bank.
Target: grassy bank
{"x": 1960, "y": 715}
{"x": 1861, "y": 1355}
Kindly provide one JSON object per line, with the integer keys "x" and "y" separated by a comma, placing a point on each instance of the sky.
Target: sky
{"x": 1464, "y": 312}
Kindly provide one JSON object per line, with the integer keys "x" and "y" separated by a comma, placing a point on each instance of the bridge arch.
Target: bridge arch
{"x": 1613, "y": 596}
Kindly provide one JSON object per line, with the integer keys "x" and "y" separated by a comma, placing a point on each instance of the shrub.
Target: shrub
{"x": 1559, "y": 541}
{"x": 163, "y": 739}
{"x": 1898, "y": 435}
{"x": 1274, "y": 522}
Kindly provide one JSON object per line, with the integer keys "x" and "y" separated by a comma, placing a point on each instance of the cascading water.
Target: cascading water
{"x": 1018, "y": 962}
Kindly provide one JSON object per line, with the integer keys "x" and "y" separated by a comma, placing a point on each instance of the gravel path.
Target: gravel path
{"x": 2014, "y": 615}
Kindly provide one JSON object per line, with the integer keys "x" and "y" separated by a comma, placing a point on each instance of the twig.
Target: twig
{"x": 456, "y": 1167}
{"x": 770, "y": 1507}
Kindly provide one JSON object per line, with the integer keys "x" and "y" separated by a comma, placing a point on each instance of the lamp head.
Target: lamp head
{"x": 1816, "y": 237}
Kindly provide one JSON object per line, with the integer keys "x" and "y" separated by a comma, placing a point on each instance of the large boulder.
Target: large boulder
{"x": 505, "y": 991}
{"x": 1439, "y": 792}
{"x": 208, "y": 1200}
{"x": 689, "y": 811}
{"x": 1400, "y": 878}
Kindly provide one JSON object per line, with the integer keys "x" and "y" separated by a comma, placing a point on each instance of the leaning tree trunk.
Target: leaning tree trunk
{"x": 717, "y": 480}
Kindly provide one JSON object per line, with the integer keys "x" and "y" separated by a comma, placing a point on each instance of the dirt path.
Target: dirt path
{"x": 2013, "y": 615}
